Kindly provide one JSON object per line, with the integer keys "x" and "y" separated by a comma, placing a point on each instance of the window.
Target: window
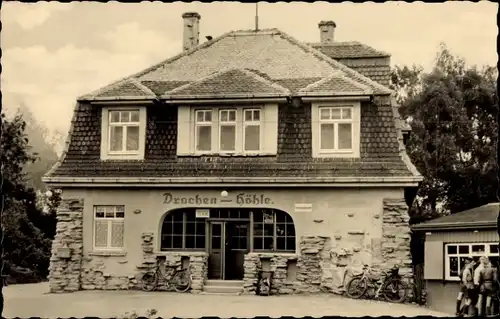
{"x": 251, "y": 130}
{"x": 123, "y": 133}
{"x": 228, "y": 131}
{"x": 109, "y": 227}
{"x": 335, "y": 129}
{"x": 265, "y": 229}
{"x": 182, "y": 230}
{"x": 203, "y": 139}
{"x": 273, "y": 230}
{"x": 455, "y": 255}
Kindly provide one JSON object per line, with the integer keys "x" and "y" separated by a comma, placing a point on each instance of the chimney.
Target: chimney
{"x": 191, "y": 36}
{"x": 326, "y": 29}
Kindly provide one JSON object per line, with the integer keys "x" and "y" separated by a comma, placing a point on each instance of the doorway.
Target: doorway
{"x": 227, "y": 248}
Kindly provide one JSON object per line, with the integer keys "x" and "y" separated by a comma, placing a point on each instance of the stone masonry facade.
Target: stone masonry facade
{"x": 67, "y": 247}
{"x": 323, "y": 264}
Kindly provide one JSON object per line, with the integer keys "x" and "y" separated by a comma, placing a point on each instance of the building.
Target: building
{"x": 249, "y": 151}
{"x": 450, "y": 239}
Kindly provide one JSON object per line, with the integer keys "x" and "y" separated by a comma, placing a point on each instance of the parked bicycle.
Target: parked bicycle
{"x": 180, "y": 280}
{"x": 391, "y": 288}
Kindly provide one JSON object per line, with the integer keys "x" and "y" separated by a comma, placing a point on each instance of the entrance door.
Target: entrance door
{"x": 236, "y": 248}
{"x": 217, "y": 253}
{"x": 228, "y": 246}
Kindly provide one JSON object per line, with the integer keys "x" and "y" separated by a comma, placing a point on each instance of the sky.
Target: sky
{"x": 55, "y": 52}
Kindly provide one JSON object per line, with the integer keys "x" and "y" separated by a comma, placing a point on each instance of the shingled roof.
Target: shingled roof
{"x": 274, "y": 55}
{"x": 243, "y": 63}
{"x": 478, "y": 217}
{"x": 349, "y": 50}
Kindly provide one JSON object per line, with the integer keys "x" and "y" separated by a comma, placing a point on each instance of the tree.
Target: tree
{"x": 42, "y": 146}
{"x": 25, "y": 248}
{"x": 452, "y": 110}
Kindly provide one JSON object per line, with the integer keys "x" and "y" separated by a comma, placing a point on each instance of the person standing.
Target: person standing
{"x": 467, "y": 282}
{"x": 488, "y": 287}
{"x": 478, "y": 283}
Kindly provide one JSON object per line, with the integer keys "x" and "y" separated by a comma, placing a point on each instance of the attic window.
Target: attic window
{"x": 123, "y": 133}
{"x": 336, "y": 129}
{"x": 227, "y": 130}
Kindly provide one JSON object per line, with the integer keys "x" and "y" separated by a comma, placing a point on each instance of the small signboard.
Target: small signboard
{"x": 202, "y": 213}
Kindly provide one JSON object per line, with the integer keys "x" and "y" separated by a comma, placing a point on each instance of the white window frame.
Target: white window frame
{"x": 216, "y": 130}
{"x": 106, "y": 153}
{"x": 336, "y": 122}
{"x": 228, "y": 123}
{"x": 203, "y": 123}
{"x": 471, "y": 254}
{"x": 252, "y": 122}
{"x": 355, "y": 121}
{"x": 109, "y": 221}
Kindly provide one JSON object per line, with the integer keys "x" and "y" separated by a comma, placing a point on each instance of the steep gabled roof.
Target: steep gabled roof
{"x": 482, "y": 216}
{"x": 349, "y": 50}
{"x": 270, "y": 52}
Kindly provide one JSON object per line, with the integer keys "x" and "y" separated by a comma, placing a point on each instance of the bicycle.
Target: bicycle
{"x": 390, "y": 288}
{"x": 180, "y": 280}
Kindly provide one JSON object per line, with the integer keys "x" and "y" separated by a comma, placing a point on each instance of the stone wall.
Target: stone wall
{"x": 395, "y": 246}
{"x": 94, "y": 275}
{"x": 278, "y": 264}
{"x": 326, "y": 264}
{"x": 197, "y": 263}
{"x": 396, "y": 239}
{"x": 309, "y": 273}
{"x": 67, "y": 247}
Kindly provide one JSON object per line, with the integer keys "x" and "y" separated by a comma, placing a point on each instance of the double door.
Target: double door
{"x": 228, "y": 244}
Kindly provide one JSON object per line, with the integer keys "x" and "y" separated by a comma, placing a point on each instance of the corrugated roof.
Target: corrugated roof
{"x": 485, "y": 215}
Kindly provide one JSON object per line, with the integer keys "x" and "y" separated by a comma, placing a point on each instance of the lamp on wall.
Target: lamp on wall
{"x": 224, "y": 193}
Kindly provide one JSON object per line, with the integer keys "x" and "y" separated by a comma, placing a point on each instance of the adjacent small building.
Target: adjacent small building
{"x": 448, "y": 241}
{"x": 247, "y": 152}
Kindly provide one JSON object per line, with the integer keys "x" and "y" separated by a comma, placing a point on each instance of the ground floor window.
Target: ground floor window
{"x": 109, "y": 227}
{"x": 456, "y": 253}
{"x": 272, "y": 230}
{"x": 182, "y": 230}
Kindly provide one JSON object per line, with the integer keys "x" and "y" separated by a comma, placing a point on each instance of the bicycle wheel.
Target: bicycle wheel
{"x": 356, "y": 288}
{"x": 181, "y": 281}
{"x": 394, "y": 290}
{"x": 149, "y": 281}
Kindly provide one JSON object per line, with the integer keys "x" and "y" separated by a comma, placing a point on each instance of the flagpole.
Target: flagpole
{"x": 256, "y": 16}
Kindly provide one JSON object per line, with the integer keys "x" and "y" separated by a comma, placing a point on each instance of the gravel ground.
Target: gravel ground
{"x": 33, "y": 300}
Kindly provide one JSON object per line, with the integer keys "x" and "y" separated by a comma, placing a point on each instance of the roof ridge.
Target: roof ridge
{"x": 141, "y": 86}
{"x": 260, "y": 78}
{"x": 221, "y": 72}
{"x": 334, "y": 74}
{"x": 157, "y": 65}
{"x": 335, "y": 43}
{"x": 347, "y": 43}
{"x": 336, "y": 64}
